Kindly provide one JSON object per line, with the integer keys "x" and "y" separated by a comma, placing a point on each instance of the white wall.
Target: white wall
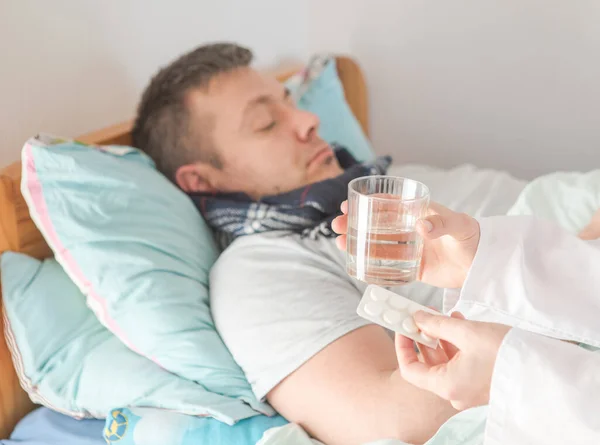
{"x": 71, "y": 66}
{"x": 507, "y": 83}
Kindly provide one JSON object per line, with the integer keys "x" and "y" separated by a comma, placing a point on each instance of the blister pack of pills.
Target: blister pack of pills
{"x": 394, "y": 312}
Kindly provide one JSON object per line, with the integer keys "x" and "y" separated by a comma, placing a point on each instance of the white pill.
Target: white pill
{"x": 374, "y": 308}
{"x": 379, "y": 294}
{"x": 409, "y": 325}
{"x": 393, "y": 317}
{"x": 398, "y": 302}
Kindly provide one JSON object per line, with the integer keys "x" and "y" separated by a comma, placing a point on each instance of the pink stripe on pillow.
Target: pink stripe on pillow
{"x": 31, "y": 187}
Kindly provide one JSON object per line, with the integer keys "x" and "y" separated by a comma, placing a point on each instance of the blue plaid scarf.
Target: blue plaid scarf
{"x": 308, "y": 210}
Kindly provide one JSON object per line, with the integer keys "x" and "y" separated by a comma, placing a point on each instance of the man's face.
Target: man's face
{"x": 264, "y": 143}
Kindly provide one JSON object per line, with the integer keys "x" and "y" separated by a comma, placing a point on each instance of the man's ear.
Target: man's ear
{"x": 196, "y": 178}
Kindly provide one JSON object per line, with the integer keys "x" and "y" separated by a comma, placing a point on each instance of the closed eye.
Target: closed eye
{"x": 268, "y": 127}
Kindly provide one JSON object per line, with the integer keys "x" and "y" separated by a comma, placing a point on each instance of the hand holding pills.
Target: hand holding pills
{"x": 457, "y": 355}
{"x": 461, "y": 369}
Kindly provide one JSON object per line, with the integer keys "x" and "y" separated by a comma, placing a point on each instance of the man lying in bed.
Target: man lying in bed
{"x": 281, "y": 299}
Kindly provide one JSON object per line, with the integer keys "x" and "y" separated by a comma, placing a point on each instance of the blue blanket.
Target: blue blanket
{"x": 150, "y": 426}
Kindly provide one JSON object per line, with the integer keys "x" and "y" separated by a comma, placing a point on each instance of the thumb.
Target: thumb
{"x": 451, "y": 329}
{"x": 443, "y": 221}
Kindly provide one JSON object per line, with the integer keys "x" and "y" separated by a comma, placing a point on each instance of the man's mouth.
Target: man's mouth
{"x": 321, "y": 156}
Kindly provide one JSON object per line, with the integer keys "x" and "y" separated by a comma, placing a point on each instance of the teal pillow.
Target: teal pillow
{"x": 319, "y": 90}
{"x": 139, "y": 251}
{"x": 67, "y": 361}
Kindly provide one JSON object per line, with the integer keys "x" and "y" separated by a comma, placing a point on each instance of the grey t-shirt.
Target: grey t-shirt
{"x": 278, "y": 299}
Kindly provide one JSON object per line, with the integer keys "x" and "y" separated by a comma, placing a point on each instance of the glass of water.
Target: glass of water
{"x": 383, "y": 247}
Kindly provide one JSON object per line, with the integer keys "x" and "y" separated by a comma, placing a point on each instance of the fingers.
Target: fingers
{"x": 443, "y": 221}
{"x": 423, "y": 375}
{"x": 405, "y": 351}
{"x": 424, "y": 226}
{"x": 458, "y": 316}
{"x": 450, "y": 329}
{"x": 340, "y": 224}
{"x": 408, "y": 358}
{"x": 449, "y": 348}
{"x": 433, "y": 356}
{"x": 340, "y": 242}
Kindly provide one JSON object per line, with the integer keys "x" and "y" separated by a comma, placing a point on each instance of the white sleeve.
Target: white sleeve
{"x": 543, "y": 391}
{"x": 532, "y": 274}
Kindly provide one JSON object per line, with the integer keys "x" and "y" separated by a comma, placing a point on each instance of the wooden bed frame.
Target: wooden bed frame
{"x": 18, "y": 233}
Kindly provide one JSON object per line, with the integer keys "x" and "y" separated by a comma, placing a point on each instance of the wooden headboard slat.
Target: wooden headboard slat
{"x": 355, "y": 90}
{"x": 18, "y": 233}
{"x": 119, "y": 134}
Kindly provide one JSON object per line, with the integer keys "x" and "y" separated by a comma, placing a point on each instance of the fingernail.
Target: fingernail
{"x": 427, "y": 224}
{"x": 421, "y": 316}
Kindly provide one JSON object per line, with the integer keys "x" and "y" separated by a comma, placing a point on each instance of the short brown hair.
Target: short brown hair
{"x": 162, "y": 127}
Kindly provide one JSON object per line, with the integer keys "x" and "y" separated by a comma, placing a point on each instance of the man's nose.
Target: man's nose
{"x": 307, "y": 124}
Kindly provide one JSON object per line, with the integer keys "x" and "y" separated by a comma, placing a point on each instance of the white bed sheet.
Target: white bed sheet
{"x": 466, "y": 188}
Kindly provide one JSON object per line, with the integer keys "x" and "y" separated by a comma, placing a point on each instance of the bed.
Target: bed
{"x": 18, "y": 232}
